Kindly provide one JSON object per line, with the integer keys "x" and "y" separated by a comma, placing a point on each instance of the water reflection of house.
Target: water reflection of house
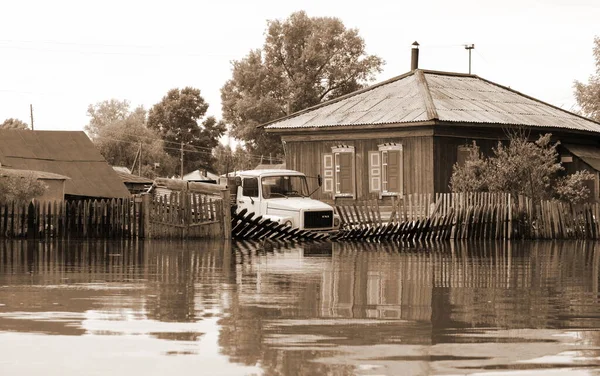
{"x": 383, "y": 286}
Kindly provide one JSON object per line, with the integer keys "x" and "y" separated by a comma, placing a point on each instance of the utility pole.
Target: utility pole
{"x": 31, "y": 114}
{"x": 140, "y": 164}
{"x": 469, "y": 47}
{"x": 181, "y": 168}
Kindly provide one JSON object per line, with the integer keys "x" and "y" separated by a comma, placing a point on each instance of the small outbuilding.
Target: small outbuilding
{"x": 55, "y": 183}
{"x": 67, "y": 153}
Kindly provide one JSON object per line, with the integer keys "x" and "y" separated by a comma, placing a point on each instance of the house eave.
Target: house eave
{"x": 353, "y": 128}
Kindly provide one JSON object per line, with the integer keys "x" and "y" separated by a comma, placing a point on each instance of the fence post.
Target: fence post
{"x": 146, "y": 230}
{"x": 226, "y": 217}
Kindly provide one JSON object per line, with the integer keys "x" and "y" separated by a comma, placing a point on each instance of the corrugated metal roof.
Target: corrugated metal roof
{"x": 131, "y": 178}
{"x": 453, "y": 97}
{"x": 68, "y": 153}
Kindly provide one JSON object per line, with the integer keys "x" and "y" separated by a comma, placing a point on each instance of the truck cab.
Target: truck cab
{"x": 283, "y": 197}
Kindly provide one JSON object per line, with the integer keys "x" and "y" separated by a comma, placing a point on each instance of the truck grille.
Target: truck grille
{"x": 318, "y": 219}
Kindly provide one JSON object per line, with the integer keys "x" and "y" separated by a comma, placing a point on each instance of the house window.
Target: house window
{"x": 462, "y": 154}
{"x": 386, "y": 169}
{"x": 343, "y": 171}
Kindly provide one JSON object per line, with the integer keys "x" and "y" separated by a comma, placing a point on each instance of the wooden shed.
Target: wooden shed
{"x": 68, "y": 153}
{"x": 404, "y": 135}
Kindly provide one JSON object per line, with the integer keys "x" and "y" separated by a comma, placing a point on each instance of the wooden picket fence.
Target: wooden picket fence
{"x": 117, "y": 218}
{"x": 201, "y": 211}
{"x": 468, "y": 216}
{"x": 187, "y": 215}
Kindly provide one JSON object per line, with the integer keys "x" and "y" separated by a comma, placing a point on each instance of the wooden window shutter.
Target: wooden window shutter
{"x": 343, "y": 173}
{"x": 328, "y": 172}
{"x": 394, "y": 171}
{"x": 374, "y": 171}
{"x": 391, "y": 169}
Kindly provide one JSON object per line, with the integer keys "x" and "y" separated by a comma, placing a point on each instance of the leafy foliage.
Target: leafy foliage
{"x": 118, "y": 134}
{"x": 228, "y": 160}
{"x": 176, "y": 118}
{"x": 521, "y": 167}
{"x": 11, "y": 123}
{"x": 108, "y": 112}
{"x": 304, "y": 61}
{"x": 471, "y": 177}
{"x": 574, "y": 188}
{"x": 588, "y": 95}
{"x": 20, "y": 189}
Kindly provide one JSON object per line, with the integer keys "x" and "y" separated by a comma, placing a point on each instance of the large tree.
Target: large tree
{"x": 588, "y": 95}
{"x": 176, "y": 118}
{"x": 304, "y": 61}
{"x": 119, "y": 133}
{"x": 108, "y": 112}
{"x": 11, "y": 123}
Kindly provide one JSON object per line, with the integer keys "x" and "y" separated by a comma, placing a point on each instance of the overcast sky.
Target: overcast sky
{"x": 63, "y": 55}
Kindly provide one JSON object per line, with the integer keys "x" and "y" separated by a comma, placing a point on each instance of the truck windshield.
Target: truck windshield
{"x": 284, "y": 186}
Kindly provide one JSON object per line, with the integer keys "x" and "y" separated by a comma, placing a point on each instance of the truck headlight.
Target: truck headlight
{"x": 288, "y": 223}
{"x": 336, "y": 221}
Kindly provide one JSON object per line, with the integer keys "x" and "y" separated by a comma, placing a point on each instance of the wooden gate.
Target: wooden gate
{"x": 189, "y": 210}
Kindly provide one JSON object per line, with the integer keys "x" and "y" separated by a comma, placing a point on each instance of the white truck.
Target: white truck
{"x": 283, "y": 197}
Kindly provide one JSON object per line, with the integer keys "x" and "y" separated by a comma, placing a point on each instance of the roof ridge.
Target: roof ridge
{"x": 426, "y": 94}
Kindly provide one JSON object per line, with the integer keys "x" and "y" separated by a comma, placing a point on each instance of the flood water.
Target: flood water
{"x": 213, "y": 308}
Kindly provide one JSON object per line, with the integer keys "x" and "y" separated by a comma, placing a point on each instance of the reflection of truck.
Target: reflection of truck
{"x": 283, "y": 197}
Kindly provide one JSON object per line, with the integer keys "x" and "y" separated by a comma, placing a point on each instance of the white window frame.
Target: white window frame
{"x": 383, "y": 151}
{"x": 328, "y": 174}
{"x": 336, "y": 151}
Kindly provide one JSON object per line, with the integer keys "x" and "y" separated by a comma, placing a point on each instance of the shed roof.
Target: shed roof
{"x": 425, "y": 96}
{"x": 68, "y": 153}
{"x": 198, "y": 175}
{"x": 132, "y": 179}
{"x": 42, "y": 175}
{"x": 588, "y": 153}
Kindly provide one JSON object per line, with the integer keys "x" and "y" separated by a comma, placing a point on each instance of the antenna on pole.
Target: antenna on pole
{"x": 31, "y": 114}
{"x": 469, "y": 47}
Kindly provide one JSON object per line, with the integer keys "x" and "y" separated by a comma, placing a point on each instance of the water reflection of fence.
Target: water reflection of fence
{"x": 468, "y": 216}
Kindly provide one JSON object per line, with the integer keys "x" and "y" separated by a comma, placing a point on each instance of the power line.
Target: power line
{"x": 189, "y": 148}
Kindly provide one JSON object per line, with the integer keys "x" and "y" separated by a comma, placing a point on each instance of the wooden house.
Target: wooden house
{"x": 201, "y": 176}
{"x": 70, "y": 154}
{"x": 404, "y": 135}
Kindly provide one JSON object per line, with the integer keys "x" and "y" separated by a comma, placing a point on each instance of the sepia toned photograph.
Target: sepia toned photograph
{"x": 277, "y": 188}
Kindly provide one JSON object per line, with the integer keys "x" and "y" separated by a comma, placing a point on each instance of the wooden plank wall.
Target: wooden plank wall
{"x": 306, "y": 157}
